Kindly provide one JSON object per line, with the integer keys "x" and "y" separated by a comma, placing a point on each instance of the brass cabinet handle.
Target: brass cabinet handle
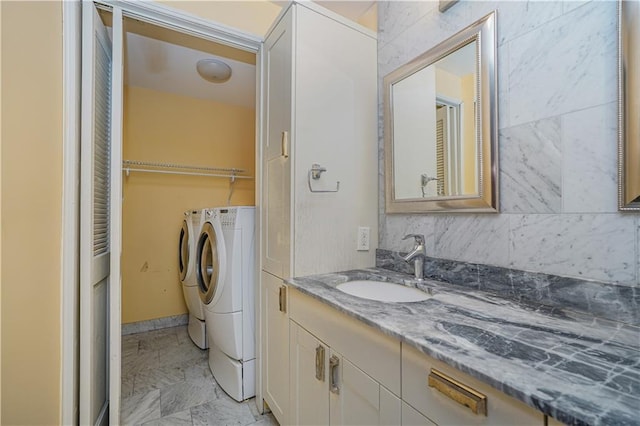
{"x": 459, "y": 392}
{"x": 320, "y": 363}
{"x": 334, "y": 363}
{"x": 284, "y": 144}
{"x": 282, "y": 298}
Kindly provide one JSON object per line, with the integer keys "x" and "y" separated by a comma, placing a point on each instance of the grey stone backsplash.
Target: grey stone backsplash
{"x": 602, "y": 300}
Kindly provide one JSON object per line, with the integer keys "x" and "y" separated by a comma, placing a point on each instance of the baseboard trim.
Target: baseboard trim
{"x": 154, "y": 324}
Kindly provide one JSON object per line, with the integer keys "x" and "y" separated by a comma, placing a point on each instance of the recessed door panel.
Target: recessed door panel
{"x": 276, "y": 198}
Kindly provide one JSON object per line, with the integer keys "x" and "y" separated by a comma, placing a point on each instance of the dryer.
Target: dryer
{"x": 191, "y": 224}
{"x": 226, "y": 279}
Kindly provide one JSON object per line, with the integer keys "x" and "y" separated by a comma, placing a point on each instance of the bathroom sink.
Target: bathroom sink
{"x": 383, "y": 291}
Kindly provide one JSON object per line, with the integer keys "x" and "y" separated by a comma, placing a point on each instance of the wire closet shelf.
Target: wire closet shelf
{"x": 233, "y": 173}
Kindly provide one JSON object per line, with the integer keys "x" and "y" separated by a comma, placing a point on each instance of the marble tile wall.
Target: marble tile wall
{"x": 557, "y": 99}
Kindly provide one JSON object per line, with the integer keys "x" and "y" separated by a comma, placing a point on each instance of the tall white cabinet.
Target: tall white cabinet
{"x": 320, "y": 108}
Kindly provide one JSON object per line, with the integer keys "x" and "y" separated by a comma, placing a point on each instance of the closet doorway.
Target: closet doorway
{"x": 177, "y": 142}
{"x": 188, "y": 144}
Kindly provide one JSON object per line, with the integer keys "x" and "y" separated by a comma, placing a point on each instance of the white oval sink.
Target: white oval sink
{"x": 383, "y": 291}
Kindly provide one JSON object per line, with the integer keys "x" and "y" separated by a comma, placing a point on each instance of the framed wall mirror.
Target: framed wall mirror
{"x": 629, "y": 107}
{"x": 440, "y": 115}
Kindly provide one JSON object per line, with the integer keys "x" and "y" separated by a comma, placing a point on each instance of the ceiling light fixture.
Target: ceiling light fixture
{"x": 213, "y": 70}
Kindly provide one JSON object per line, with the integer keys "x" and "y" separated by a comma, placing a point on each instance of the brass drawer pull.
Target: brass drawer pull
{"x": 334, "y": 363}
{"x": 320, "y": 363}
{"x": 282, "y": 298}
{"x": 460, "y": 393}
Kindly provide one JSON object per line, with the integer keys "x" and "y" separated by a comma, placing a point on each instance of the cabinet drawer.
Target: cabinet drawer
{"x": 443, "y": 410}
{"x": 374, "y": 353}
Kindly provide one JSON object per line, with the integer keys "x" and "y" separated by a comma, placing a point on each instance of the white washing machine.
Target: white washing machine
{"x": 226, "y": 279}
{"x": 189, "y": 233}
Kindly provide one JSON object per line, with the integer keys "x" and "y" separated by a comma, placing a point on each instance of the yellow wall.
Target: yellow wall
{"x": 31, "y": 211}
{"x": 163, "y": 127}
{"x": 463, "y": 89}
{"x": 255, "y": 16}
{"x": 370, "y": 18}
{"x": 0, "y": 219}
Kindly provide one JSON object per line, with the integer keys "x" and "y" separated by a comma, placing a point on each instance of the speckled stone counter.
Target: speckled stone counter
{"x": 568, "y": 364}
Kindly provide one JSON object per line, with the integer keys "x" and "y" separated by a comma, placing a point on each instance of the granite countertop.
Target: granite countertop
{"x": 572, "y": 366}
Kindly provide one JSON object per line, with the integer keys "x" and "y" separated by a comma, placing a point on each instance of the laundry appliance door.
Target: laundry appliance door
{"x": 183, "y": 250}
{"x": 211, "y": 262}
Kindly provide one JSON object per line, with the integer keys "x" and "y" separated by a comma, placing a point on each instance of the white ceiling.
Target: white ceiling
{"x": 349, "y": 9}
{"x": 166, "y": 67}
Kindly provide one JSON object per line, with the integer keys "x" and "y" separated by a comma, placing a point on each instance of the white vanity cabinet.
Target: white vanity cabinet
{"x": 327, "y": 387}
{"x": 319, "y": 106}
{"x": 377, "y": 380}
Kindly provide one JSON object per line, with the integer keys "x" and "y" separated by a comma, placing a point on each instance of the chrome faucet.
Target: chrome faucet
{"x": 417, "y": 255}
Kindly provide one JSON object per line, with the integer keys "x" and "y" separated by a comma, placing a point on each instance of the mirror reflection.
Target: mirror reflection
{"x": 440, "y": 126}
{"x": 434, "y": 115}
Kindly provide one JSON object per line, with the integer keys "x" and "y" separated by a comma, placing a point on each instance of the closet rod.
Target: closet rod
{"x": 126, "y": 163}
{"x": 128, "y": 170}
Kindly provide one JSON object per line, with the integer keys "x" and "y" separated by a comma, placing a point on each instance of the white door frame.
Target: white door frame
{"x": 69, "y": 310}
{"x": 115, "y": 277}
{"x": 165, "y": 17}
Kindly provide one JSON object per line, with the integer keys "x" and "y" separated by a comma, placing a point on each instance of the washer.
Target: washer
{"x": 191, "y": 225}
{"x": 226, "y": 279}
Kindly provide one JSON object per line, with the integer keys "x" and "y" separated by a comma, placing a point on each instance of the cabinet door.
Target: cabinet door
{"x": 309, "y": 386}
{"x": 357, "y": 399}
{"x": 276, "y": 162}
{"x": 411, "y": 417}
{"x": 275, "y": 347}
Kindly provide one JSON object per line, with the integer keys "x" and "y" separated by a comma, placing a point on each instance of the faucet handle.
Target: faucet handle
{"x": 418, "y": 237}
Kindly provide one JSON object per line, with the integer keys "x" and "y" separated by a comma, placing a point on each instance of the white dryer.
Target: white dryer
{"x": 189, "y": 233}
{"x": 226, "y": 279}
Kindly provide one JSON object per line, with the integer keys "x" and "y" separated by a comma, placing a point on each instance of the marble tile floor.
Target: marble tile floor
{"x": 166, "y": 381}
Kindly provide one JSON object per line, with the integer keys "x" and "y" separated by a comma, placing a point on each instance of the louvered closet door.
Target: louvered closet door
{"x": 95, "y": 247}
{"x": 442, "y": 160}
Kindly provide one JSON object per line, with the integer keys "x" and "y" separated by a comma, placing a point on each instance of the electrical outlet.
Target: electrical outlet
{"x": 364, "y": 234}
